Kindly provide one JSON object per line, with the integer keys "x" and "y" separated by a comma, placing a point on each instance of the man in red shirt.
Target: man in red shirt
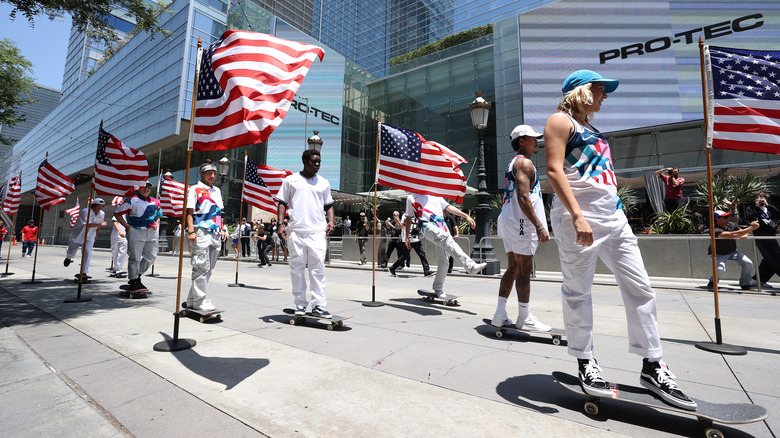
{"x": 673, "y": 197}
{"x": 3, "y": 232}
{"x": 29, "y": 237}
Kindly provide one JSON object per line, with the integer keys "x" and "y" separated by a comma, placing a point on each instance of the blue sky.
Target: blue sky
{"x": 45, "y": 45}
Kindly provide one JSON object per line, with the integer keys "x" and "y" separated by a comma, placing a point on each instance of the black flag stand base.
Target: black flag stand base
{"x": 373, "y": 303}
{"x": 78, "y": 300}
{"x": 152, "y": 274}
{"x": 236, "y": 284}
{"x": 175, "y": 344}
{"x": 7, "y": 273}
{"x": 718, "y": 346}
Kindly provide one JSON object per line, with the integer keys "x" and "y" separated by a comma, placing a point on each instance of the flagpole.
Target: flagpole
{"x": 13, "y": 233}
{"x": 38, "y": 239}
{"x": 177, "y": 344}
{"x": 718, "y": 346}
{"x": 240, "y": 231}
{"x": 159, "y": 179}
{"x": 374, "y": 302}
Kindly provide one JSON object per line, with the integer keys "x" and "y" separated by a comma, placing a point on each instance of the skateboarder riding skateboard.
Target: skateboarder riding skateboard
{"x": 143, "y": 228}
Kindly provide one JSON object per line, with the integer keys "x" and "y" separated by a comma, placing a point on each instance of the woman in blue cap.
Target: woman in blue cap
{"x": 589, "y": 223}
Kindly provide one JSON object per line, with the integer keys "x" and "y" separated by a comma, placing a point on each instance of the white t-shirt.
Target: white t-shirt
{"x": 428, "y": 209}
{"x": 77, "y": 234}
{"x": 306, "y": 199}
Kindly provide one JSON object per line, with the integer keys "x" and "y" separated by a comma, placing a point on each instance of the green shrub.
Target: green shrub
{"x": 444, "y": 43}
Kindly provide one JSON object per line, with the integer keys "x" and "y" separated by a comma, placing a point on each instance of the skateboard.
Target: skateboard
{"x": 199, "y": 314}
{"x": 124, "y": 292}
{"x": 121, "y": 274}
{"x": 334, "y": 320}
{"x": 706, "y": 413}
{"x": 448, "y": 300}
{"x": 556, "y": 334}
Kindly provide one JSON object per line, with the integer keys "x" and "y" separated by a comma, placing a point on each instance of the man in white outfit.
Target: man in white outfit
{"x": 204, "y": 231}
{"x": 140, "y": 214}
{"x": 522, "y": 224}
{"x": 306, "y": 196}
{"x": 118, "y": 247}
{"x": 429, "y": 211}
{"x": 76, "y": 239}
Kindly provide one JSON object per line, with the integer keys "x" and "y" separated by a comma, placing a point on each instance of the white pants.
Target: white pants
{"x": 204, "y": 252}
{"x": 141, "y": 251}
{"x": 445, "y": 248}
{"x": 118, "y": 251}
{"x": 617, "y": 247}
{"x": 73, "y": 247}
{"x": 308, "y": 249}
{"x": 739, "y": 258}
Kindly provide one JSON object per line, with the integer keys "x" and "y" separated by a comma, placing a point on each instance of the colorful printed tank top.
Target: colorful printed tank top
{"x": 511, "y": 207}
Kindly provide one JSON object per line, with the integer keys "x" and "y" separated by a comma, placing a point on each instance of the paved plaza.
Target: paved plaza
{"x": 408, "y": 368}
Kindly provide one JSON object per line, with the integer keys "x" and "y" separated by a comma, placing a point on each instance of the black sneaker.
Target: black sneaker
{"x": 710, "y": 286}
{"x": 657, "y": 378}
{"x": 135, "y": 285}
{"x": 67, "y": 262}
{"x": 141, "y": 285}
{"x": 392, "y": 272}
{"x": 429, "y": 273}
{"x": 590, "y": 378}
{"x": 322, "y": 313}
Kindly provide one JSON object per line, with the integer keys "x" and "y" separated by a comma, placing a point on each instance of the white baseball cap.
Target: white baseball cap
{"x": 524, "y": 131}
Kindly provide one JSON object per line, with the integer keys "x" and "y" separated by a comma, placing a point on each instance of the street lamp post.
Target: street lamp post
{"x": 482, "y": 249}
{"x": 222, "y": 168}
{"x": 315, "y": 142}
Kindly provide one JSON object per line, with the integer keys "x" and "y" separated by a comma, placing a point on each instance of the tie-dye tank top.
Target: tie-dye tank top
{"x": 589, "y": 170}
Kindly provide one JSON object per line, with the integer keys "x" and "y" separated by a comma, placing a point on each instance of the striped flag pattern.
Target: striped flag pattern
{"x": 744, "y": 99}
{"x": 73, "y": 213}
{"x": 118, "y": 200}
{"x": 11, "y": 202}
{"x": 409, "y": 162}
{"x": 52, "y": 186}
{"x": 118, "y": 168}
{"x": 172, "y": 197}
{"x": 247, "y": 81}
{"x": 261, "y": 185}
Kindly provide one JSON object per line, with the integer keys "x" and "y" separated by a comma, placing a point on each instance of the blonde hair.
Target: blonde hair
{"x": 574, "y": 101}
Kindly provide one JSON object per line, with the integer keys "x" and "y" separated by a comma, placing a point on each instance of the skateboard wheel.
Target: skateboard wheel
{"x": 500, "y": 334}
{"x": 711, "y": 432}
{"x": 340, "y": 323}
{"x": 219, "y": 317}
{"x": 182, "y": 313}
{"x": 556, "y": 340}
{"x": 202, "y": 319}
{"x": 591, "y": 408}
{"x": 455, "y": 302}
{"x": 330, "y": 327}
{"x": 292, "y": 321}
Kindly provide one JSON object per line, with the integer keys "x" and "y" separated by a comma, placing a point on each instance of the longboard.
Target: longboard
{"x": 199, "y": 314}
{"x": 124, "y": 292}
{"x": 706, "y": 413}
{"x": 556, "y": 334}
{"x": 334, "y": 320}
{"x": 448, "y": 300}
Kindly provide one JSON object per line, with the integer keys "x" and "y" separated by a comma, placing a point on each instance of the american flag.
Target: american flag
{"x": 409, "y": 162}
{"x": 261, "y": 185}
{"x": 118, "y": 168}
{"x": 117, "y": 201}
{"x": 246, "y": 83}
{"x": 52, "y": 186}
{"x": 11, "y": 202}
{"x": 171, "y": 197}
{"x": 74, "y": 213}
{"x": 744, "y": 105}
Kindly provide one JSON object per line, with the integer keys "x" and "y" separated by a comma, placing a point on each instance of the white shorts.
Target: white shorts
{"x": 515, "y": 242}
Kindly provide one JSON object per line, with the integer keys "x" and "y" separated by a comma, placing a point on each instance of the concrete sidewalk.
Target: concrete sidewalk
{"x": 409, "y": 368}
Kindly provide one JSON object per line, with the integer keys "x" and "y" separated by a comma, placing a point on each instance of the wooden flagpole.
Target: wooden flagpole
{"x": 12, "y": 234}
{"x": 718, "y": 346}
{"x": 240, "y": 231}
{"x": 37, "y": 242}
{"x": 177, "y": 344}
{"x": 374, "y": 302}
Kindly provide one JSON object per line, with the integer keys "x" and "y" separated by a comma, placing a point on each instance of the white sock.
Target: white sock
{"x": 501, "y": 308}
{"x": 523, "y": 310}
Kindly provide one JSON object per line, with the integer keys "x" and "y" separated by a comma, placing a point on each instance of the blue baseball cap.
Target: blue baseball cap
{"x": 582, "y": 77}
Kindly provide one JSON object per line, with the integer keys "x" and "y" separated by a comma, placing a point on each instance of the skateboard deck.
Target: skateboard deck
{"x": 118, "y": 274}
{"x": 557, "y": 334}
{"x": 334, "y": 320}
{"x": 448, "y": 300}
{"x": 124, "y": 292}
{"x": 199, "y": 314}
{"x": 706, "y": 413}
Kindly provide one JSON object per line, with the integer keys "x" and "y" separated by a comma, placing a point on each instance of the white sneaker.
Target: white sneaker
{"x": 501, "y": 320}
{"x": 533, "y": 323}
{"x": 440, "y": 293}
{"x": 477, "y": 268}
{"x": 206, "y": 306}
